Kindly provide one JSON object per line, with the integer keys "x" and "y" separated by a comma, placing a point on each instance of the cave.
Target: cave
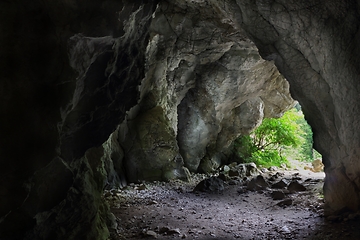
{"x": 102, "y": 94}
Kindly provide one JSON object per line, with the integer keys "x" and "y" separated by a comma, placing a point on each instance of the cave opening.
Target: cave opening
{"x": 238, "y": 201}
{"x": 282, "y": 141}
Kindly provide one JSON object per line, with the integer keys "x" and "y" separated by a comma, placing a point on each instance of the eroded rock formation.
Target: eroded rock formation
{"x": 70, "y": 71}
{"x": 205, "y": 85}
{"x": 95, "y": 92}
{"x": 315, "y": 45}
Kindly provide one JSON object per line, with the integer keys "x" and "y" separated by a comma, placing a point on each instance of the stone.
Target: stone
{"x": 223, "y": 177}
{"x": 251, "y": 169}
{"x": 285, "y": 229}
{"x": 152, "y": 153}
{"x": 242, "y": 190}
{"x": 91, "y": 179}
{"x": 257, "y": 183}
{"x": 234, "y": 173}
{"x": 275, "y": 176}
{"x": 233, "y": 182}
{"x": 285, "y": 202}
{"x": 141, "y": 187}
{"x": 316, "y": 166}
{"x": 280, "y": 184}
{"x": 111, "y": 222}
{"x": 243, "y": 170}
{"x": 283, "y": 166}
{"x": 226, "y": 168}
{"x": 210, "y": 185}
{"x": 151, "y": 233}
{"x": 273, "y": 169}
{"x": 295, "y": 186}
{"x": 153, "y": 202}
{"x": 163, "y": 230}
{"x": 173, "y": 231}
{"x": 277, "y": 195}
{"x": 113, "y": 162}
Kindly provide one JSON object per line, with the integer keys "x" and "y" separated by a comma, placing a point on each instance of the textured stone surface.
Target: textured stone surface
{"x": 82, "y": 210}
{"x": 210, "y": 185}
{"x": 72, "y": 70}
{"x": 257, "y": 183}
{"x": 315, "y": 44}
{"x": 69, "y": 72}
{"x": 211, "y": 84}
{"x": 113, "y": 163}
{"x": 150, "y": 148}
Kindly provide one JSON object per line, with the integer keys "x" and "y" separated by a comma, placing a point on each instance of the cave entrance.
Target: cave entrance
{"x": 174, "y": 211}
{"x": 302, "y": 155}
{"x": 285, "y": 142}
{"x": 274, "y": 203}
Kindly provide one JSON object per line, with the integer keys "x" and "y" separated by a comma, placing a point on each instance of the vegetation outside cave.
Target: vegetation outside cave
{"x": 278, "y": 141}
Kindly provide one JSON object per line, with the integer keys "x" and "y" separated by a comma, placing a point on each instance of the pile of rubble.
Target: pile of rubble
{"x": 271, "y": 181}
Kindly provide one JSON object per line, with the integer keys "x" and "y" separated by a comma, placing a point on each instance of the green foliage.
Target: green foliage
{"x": 277, "y": 139}
{"x": 244, "y": 148}
{"x": 268, "y": 158}
{"x": 276, "y": 132}
{"x": 303, "y": 152}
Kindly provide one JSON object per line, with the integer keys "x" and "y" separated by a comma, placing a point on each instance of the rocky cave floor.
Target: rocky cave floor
{"x": 174, "y": 211}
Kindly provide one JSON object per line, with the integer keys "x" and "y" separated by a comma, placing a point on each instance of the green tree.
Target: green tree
{"x": 264, "y": 146}
{"x": 274, "y": 133}
{"x": 303, "y": 152}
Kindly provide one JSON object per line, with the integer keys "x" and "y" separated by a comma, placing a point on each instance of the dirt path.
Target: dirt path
{"x": 173, "y": 211}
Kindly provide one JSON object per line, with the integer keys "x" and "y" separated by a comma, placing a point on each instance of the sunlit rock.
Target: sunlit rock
{"x": 315, "y": 45}
{"x": 211, "y": 84}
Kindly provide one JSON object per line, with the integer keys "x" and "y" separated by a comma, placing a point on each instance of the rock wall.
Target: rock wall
{"x": 92, "y": 91}
{"x": 315, "y": 44}
{"x": 205, "y": 84}
{"x": 69, "y": 72}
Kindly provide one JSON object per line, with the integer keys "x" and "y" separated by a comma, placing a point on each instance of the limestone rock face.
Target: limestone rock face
{"x": 97, "y": 93}
{"x": 69, "y": 72}
{"x": 211, "y": 85}
{"x": 113, "y": 162}
{"x": 82, "y": 210}
{"x": 315, "y": 44}
{"x": 150, "y": 148}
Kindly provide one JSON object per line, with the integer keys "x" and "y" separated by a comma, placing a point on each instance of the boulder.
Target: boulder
{"x": 243, "y": 170}
{"x": 277, "y": 195}
{"x": 285, "y": 202}
{"x": 257, "y": 183}
{"x": 210, "y": 185}
{"x": 295, "y": 186}
{"x": 150, "y": 149}
{"x": 316, "y": 166}
{"x": 280, "y": 184}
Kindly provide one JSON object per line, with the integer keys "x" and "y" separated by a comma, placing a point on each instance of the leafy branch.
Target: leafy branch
{"x": 267, "y": 143}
